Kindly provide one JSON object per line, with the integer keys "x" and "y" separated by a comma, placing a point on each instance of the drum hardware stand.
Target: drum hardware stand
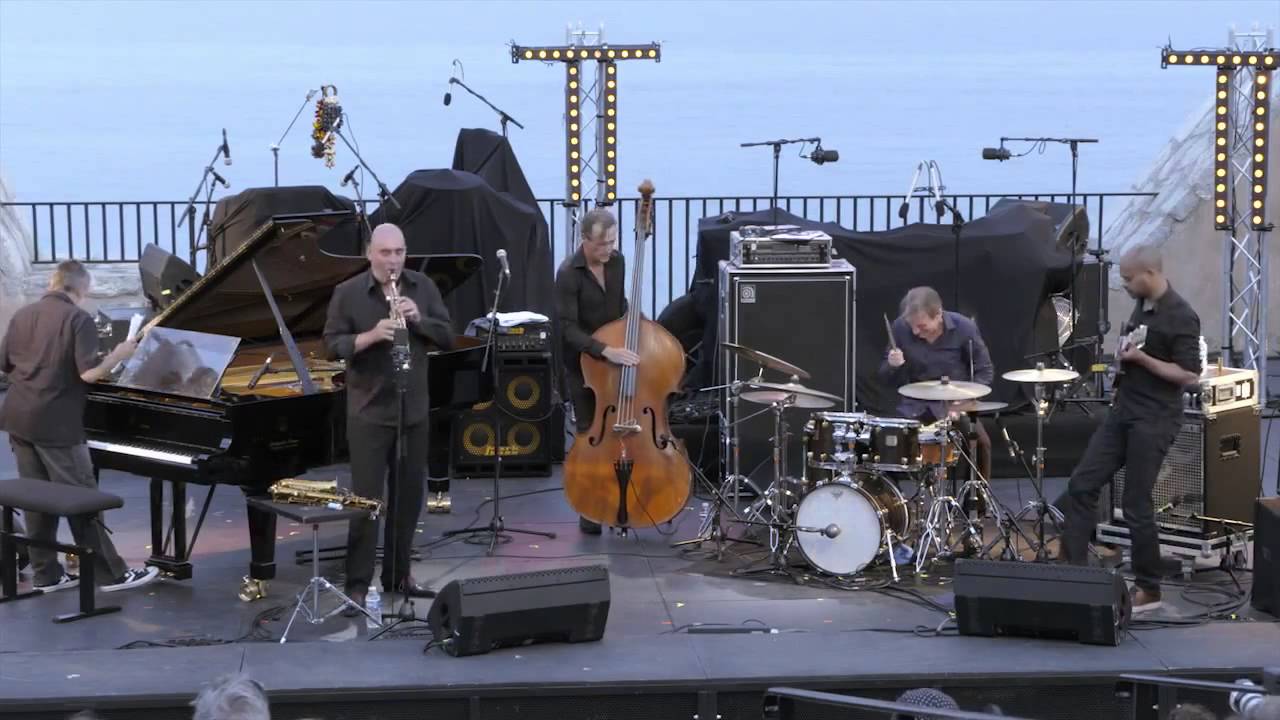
{"x": 711, "y": 528}
{"x": 1005, "y": 525}
{"x": 1043, "y": 510}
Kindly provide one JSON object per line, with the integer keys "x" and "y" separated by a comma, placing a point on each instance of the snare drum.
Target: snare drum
{"x": 935, "y": 448}
{"x": 831, "y": 439}
{"x": 840, "y": 526}
{"x": 892, "y": 444}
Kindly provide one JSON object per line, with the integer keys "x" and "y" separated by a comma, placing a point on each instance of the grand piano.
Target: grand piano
{"x": 278, "y": 410}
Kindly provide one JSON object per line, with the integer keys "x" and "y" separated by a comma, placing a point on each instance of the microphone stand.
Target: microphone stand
{"x": 957, "y": 224}
{"x": 503, "y": 117}
{"x": 190, "y": 209}
{"x": 383, "y": 193}
{"x": 496, "y": 527}
{"x": 275, "y": 147}
{"x": 777, "y": 153}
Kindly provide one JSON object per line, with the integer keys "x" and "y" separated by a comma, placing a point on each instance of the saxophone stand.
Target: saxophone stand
{"x": 493, "y": 534}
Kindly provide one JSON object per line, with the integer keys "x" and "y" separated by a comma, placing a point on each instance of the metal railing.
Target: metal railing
{"x": 116, "y": 232}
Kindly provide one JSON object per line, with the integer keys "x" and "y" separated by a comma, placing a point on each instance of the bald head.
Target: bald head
{"x": 386, "y": 251}
{"x": 1142, "y": 270}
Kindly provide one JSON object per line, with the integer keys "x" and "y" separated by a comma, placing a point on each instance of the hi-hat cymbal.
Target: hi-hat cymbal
{"x": 770, "y": 393}
{"x": 1041, "y": 375}
{"x": 978, "y": 406}
{"x": 944, "y": 390}
{"x": 766, "y": 360}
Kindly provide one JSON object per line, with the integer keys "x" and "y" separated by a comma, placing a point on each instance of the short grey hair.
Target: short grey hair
{"x": 1147, "y": 257}
{"x": 232, "y": 697}
{"x": 921, "y": 300}
{"x": 598, "y": 218}
{"x": 70, "y": 276}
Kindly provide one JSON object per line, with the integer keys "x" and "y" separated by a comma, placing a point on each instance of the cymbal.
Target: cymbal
{"x": 770, "y": 393}
{"x": 978, "y": 406}
{"x": 766, "y": 360}
{"x": 1041, "y": 375}
{"x": 944, "y": 390}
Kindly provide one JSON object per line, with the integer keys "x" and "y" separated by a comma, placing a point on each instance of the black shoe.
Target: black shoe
{"x": 411, "y": 588}
{"x": 587, "y": 527}
{"x": 357, "y": 597}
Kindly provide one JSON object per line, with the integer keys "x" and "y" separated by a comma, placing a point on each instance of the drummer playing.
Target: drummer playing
{"x": 932, "y": 343}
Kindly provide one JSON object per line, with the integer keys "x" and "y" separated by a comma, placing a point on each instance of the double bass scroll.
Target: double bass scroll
{"x": 626, "y": 470}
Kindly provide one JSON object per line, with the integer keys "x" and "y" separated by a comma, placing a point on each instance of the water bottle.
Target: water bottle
{"x": 373, "y": 603}
{"x": 1204, "y": 356}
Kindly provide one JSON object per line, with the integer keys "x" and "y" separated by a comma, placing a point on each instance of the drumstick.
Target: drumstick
{"x": 889, "y": 329}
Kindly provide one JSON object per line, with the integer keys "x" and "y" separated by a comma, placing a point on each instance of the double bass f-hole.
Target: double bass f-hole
{"x": 627, "y": 470}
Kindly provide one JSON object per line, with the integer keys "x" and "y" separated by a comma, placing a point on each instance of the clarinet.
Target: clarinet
{"x": 400, "y": 355}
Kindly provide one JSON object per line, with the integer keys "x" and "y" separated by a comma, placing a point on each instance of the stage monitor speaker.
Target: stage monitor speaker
{"x": 1070, "y": 222}
{"x": 804, "y": 316}
{"x": 1266, "y": 555}
{"x": 1213, "y": 464}
{"x": 164, "y": 276}
{"x": 476, "y": 615}
{"x": 530, "y": 427}
{"x": 1088, "y": 605}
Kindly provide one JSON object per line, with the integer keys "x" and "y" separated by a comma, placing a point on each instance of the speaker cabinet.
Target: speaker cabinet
{"x": 1213, "y": 463}
{"x": 803, "y": 316}
{"x": 1088, "y": 605}
{"x": 530, "y": 428}
{"x": 1266, "y": 555}
{"x": 474, "y": 616}
{"x": 164, "y": 276}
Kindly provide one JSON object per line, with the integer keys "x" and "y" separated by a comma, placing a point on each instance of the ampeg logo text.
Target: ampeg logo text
{"x": 747, "y": 294}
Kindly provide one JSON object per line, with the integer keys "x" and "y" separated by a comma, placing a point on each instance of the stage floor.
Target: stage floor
{"x": 173, "y": 637}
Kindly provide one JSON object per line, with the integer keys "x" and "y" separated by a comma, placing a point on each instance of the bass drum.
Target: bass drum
{"x": 857, "y": 509}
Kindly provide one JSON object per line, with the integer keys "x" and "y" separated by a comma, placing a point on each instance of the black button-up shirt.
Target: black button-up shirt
{"x": 583, "y": 306}
{"x": 48, "y": 345}
{"x": 1173, "y": 335}
{"x": 959, "y": 353}
{"x": 356, "y": 306}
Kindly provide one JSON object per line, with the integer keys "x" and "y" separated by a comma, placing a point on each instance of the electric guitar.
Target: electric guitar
{"x": 1134, "y": 339}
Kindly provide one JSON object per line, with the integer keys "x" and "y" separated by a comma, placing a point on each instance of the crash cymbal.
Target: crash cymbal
{"x": 944, "y": 389}
{"x": 766, "y": 360}
{"x": 770, "y": 393}
{"x": 978, "y": 406}
{"x": 1041, "y": 375}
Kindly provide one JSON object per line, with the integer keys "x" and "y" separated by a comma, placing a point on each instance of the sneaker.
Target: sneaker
{"x": 134, "y": 577}
{"x": 66, "y": 582}
{"x": 1144, "y": 600}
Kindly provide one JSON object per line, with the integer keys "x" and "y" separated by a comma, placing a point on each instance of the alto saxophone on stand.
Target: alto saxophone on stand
{"x": 324, "y": 493}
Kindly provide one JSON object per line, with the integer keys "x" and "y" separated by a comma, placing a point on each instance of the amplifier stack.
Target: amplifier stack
{"x": 532, "y": 421}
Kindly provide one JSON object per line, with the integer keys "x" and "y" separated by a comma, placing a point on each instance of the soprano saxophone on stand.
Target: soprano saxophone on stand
{"x": 401, "y": 358}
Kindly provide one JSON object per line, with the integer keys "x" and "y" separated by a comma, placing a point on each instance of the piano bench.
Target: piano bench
{"x": 48, "y": 498}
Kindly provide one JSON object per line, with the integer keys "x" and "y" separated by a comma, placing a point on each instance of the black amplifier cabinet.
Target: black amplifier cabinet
{"x": 804, "y": 316}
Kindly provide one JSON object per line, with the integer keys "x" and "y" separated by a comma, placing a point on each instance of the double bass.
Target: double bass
{"x": 627, "y": 470}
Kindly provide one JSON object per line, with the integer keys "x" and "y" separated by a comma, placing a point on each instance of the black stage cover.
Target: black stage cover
{"x": 1008, "y": 263}
{"x": 235, "y": 217}
{"x": 452, "y": 211}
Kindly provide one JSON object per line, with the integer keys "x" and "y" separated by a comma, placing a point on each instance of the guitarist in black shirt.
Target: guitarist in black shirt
{"x": 1159, "y": 358}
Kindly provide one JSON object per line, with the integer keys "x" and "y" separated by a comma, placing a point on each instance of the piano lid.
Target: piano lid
{"x": 288, "y": 250}
{"x": 448, "y": 270}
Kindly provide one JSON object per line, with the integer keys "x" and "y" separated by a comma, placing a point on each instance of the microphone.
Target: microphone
{"x": 1249, "y": 705}
{"x": 448, "y": 96}
{"x": 502, "y": 259}
{"x": 1008, "y": 441}
{"x": 820, "y": 156}
{"x": 1000, "y": 154}
{"x": 350, "y": 176}
{"x": 218, "y": 178}
{"x": 226, "y": 149}
{"x": 1174, "y": 502}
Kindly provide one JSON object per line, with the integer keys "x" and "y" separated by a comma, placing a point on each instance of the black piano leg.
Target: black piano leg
{"x": 262, "y": 554}
{"x": 172, "y": 564}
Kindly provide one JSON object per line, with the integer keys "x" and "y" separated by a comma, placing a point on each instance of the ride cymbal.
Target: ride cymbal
{"x": 1041, "y": 375}
{"x": 766, "y": 360}
{"x": 944, "y": 389}
{"x": 770, "y": 393}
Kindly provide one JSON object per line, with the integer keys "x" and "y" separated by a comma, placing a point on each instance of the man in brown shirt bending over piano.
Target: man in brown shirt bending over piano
{"x": 49, "y": 353}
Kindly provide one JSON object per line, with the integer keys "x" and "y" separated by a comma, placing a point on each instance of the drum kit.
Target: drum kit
{"x": 847, "y": 511}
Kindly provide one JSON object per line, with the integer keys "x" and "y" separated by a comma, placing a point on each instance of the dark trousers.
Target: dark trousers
{"x": 374, "y": 454}
{"x": 1139, "y": 446}
{"x": 68, "y": 466}
{"x": 584, "y": 401}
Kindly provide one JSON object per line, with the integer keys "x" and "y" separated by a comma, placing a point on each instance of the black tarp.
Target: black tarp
{"x": 236, "y": 217}
{"x": 1008, "y": 262}
{"x": 452, "y": 211}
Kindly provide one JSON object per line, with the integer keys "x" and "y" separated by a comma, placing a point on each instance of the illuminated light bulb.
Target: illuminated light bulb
{"x": 1257, "y": 204}
{"x": 1262, "y": 79}
{"x": 625, "y": 53}
{"x": 1257, "y": 219}
{"x": 528, "y": 54}
{"x": 1235, "y": 59}
{"x": 611, "y": 181}
{"x": 1257, "y": 189}
{"x": 555, "y": 54}
{"x": 611, "y": 140}
{"x": 611, "y": 154}
{"x": 611, "y": 98}
{"x": 611, "y": 167}
{"x": 1222, "y": 110}
{"x": 573, "y": 169}
{"x": 1221, "y": 203}
{"x": 1222, "y": 59}
{"x": 574, "y": 182}
{"x": 653, "y": 53}
{"x": 611, "y": 126}
{"x": 1220, "y": 218}
{"x": 1173, "y": 59}
{"x": 1222, "y": 141}
{"x": 1221, "y": 172}
{"x": 542, "y": 53}
{"x": 1253, "y": 59}
{"x": 1187, "y": 58}
{"x": 1204, "y": 58}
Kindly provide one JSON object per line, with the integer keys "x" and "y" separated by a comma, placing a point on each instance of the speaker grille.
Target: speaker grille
{"x": 1182, "y": 474}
